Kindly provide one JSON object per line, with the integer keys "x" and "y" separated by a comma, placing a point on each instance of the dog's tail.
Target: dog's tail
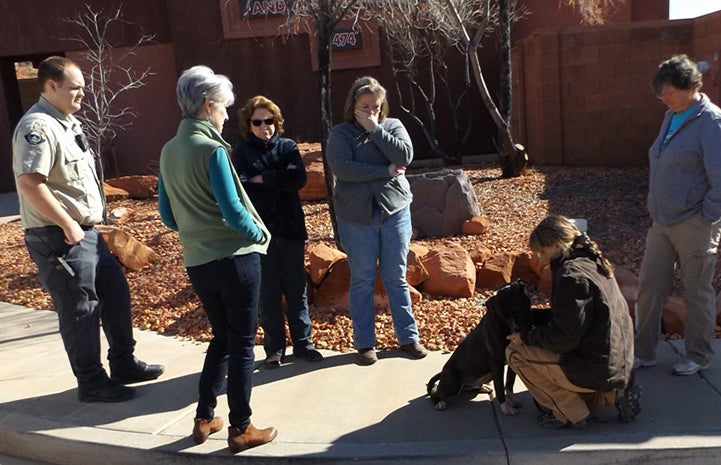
{"x": 430, "y": 386}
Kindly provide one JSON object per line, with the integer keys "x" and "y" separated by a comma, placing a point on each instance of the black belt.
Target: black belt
{"x": 50, "y": 228}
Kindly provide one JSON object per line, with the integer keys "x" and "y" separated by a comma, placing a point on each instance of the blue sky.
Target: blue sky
{"x": 679, "y": 9}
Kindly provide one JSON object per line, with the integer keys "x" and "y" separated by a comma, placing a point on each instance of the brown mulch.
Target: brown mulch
{"x": 611, "y": 199}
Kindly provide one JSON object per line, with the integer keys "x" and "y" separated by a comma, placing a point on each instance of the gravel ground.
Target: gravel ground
{"x": 612, "y": 200}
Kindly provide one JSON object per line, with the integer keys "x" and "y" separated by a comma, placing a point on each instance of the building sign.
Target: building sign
{"x": 347, "y": 39}
{"x": 355, "y": 44}
{"x": 266, "y": 8}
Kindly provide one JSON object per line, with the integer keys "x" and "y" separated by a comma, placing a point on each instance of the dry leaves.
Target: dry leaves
{"x": 611, "y": 199}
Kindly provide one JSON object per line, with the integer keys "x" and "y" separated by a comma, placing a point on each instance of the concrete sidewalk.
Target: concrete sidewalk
{"x": 334, "y": 412}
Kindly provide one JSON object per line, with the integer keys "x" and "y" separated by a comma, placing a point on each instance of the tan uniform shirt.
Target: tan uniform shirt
{"x": 45, "y": 142}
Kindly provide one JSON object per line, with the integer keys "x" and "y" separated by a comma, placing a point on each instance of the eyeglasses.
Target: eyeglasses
{"x": 267, "y": 121}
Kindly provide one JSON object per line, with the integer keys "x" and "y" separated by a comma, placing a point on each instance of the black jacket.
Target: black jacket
{"x": 590, "y": 325}
{"x": 278, "y": 161}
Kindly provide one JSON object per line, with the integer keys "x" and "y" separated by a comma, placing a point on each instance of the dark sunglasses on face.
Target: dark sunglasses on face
{"x": 267, "y": 121}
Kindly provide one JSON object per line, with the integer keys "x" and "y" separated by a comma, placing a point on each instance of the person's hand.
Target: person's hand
{"x": 258, "y": 179}
{"x": 368, "y": 120}
{"x": 73, "y": 233}
{"x": 395, "y": 170}
{"x": 515, "y": 338}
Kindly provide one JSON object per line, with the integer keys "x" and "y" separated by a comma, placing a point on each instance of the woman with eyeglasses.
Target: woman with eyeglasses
{"x": 368, "y": 154}
{"x": 684, "y": 202}
{"x": 272, "y": 172}
{"x": 200, "y": 197}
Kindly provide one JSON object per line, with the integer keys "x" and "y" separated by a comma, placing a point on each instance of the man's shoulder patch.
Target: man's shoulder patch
{"x": 34, "y": 138}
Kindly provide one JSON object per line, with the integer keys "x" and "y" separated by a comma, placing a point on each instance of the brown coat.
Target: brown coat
{"x": 590, "y": 326}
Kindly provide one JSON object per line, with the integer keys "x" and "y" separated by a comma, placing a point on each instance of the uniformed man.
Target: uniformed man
{"x": 61, "y": 200}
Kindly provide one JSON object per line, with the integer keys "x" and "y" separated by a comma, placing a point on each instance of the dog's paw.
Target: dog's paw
{"x": 511, "y": 400}
{"x": 508, "y": 410}
{"x": 440, "y": 405}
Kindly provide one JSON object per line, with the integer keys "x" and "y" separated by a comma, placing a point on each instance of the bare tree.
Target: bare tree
{"x": 108, "y": 77}
{"x": 593, "y": 11}
{"x": 512, "y": 156}
{"x": 419, "y": 39}
{"x": 324, "y": 15}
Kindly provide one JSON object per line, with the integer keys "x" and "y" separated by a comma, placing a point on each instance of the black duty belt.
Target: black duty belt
{"x": 41, "y": 229}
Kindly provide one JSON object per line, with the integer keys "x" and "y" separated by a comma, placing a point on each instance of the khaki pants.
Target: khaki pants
{"x": 545, "y": 380}
{"x": 692, "y": 244}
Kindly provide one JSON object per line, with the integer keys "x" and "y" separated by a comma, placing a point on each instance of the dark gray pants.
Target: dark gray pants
{"x": 98, "y": 292}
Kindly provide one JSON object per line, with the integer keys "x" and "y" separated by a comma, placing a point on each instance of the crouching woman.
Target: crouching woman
{"x": 582, "y": 359}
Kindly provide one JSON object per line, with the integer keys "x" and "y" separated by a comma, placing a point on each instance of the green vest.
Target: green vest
{"x": 185, "y": 168}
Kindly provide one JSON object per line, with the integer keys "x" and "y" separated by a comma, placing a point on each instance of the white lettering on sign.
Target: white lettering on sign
{"x": 346, "y": 39}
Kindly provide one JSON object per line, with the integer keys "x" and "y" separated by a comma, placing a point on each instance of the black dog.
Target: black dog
{"x": 481, "y": 356}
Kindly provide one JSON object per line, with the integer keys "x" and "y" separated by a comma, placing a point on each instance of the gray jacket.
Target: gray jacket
{"x": 359, "y": 160}
{"x": 685, "y": 171}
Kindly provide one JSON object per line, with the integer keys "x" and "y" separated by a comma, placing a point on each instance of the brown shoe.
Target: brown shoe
{"x": 238, "y": 442}
{"x": 204, "y": 428}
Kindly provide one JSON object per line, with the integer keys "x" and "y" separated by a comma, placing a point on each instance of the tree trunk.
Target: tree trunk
{"x": 325, "y": 33}
{"x": 515, "y": 153}
{"x": 512, "y": 156}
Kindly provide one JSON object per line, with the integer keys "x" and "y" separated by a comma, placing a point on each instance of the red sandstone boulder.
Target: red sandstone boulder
{"x": 475, "y": 225}
{"x": 114, "y": 193}
{"x": 496, "y": 271}
{"x": 416, "y": 273}
{"x": 333, "y": 290}
{"x": 315, "y": 188}
{"x": 320, "y": 259}
{"x": 480, "y": 254}
{"x": 522, "y": 268}
{"x": 450, "y": 272}
{"x": 132, "y": 253}
{"x": 138, "y": 186}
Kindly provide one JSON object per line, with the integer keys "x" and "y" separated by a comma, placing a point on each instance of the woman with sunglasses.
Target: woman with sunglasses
{"x": 272, "y": 172}
{"x": 368, "y": 154}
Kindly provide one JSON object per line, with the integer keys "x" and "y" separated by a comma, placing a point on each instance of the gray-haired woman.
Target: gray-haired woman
{"x": 200, "y": 197}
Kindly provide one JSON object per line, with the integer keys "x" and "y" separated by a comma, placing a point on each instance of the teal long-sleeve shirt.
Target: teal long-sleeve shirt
{"x": 221, "y": 182}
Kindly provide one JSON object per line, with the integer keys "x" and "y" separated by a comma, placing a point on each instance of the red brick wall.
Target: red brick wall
{"x": 585, "y": 100}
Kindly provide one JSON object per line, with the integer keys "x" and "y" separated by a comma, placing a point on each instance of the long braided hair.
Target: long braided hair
{"x": 557, "y": 229}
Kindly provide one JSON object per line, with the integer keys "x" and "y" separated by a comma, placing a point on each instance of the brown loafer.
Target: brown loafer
{"x": 252, "y": 437}
{"x": 204, "y": 428}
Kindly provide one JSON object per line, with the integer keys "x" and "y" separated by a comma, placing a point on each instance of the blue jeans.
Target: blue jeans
{"x": 283, "y": 273}
{"x": 228, "y": 289}
{"x": 384, "y": 244}
{"x": 98, "y": 292}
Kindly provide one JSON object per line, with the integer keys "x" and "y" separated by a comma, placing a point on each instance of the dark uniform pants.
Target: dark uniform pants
{"x": 98, "y": 292}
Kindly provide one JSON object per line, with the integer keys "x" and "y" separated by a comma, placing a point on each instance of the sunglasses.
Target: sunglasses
{"x": 267, "y": 121}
